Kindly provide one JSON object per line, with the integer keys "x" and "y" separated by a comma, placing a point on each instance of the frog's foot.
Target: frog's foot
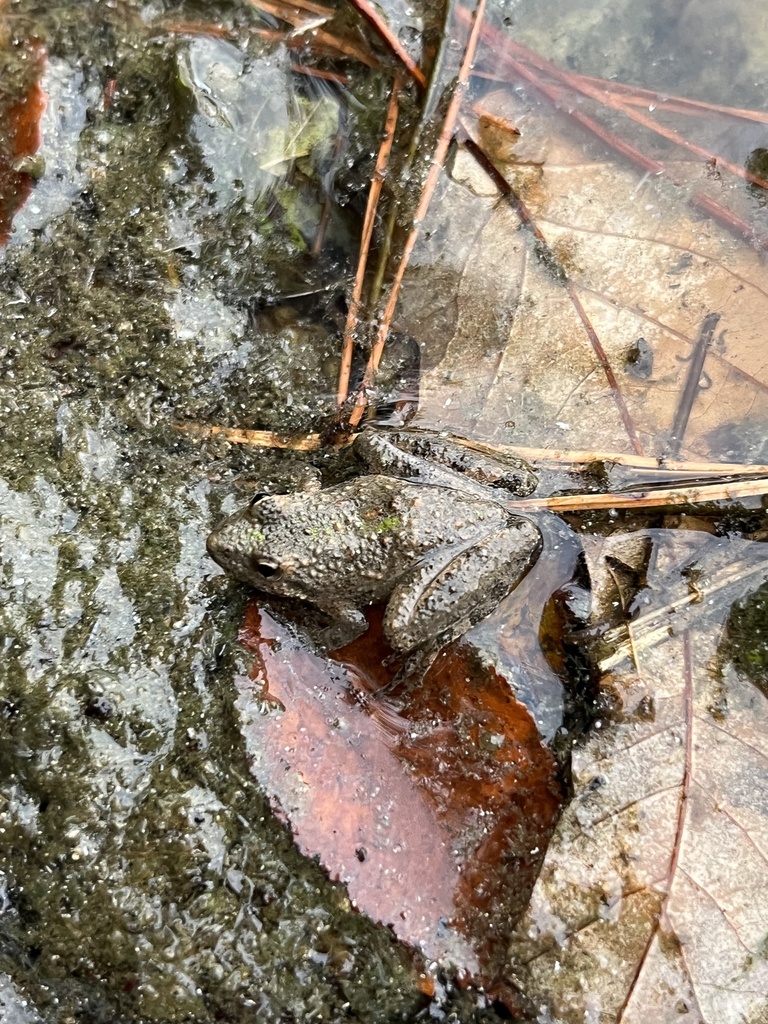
{"x": 322, "y": 630}
{"x": 452, "y": 589}
{"x": 413, "y": 668}
{"x": 345, "y": 625}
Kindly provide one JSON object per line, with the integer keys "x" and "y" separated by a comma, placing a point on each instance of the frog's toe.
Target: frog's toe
{"x": 343, "y": 628}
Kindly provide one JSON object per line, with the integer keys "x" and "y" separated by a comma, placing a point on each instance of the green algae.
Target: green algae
{"x": 143, "y": 876}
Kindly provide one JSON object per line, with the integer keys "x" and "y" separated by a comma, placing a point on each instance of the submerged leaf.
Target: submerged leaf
{"x": 250, "y": 123}
{"x": 588, "y": 336}
{"x": 435, "y": 814}
{"x": 653, "y": 898}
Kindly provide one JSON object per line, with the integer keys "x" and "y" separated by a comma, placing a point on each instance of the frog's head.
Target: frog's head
{"x": 255, "y": 544}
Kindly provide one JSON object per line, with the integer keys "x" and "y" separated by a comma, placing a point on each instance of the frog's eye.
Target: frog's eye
{"x": 259, "y": 496}
{"x": 266, "y": 567}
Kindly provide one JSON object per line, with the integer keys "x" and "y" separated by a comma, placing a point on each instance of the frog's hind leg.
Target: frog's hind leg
{"x": 435, "y": 459}
{"x": 452, "y": 589}
{"x": 411, "y": 463}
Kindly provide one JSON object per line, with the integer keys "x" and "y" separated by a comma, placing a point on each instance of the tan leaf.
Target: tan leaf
{"x": 653, "y": 899}
{"x": 539, "y": 347}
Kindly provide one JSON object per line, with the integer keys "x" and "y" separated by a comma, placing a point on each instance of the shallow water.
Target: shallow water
{"x": 151, "y": 277}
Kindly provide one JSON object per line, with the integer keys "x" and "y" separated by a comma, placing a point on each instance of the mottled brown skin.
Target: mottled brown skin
{"x": 442, "y": 555}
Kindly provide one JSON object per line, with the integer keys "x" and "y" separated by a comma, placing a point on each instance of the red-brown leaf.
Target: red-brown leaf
{"x": 435, "y": 814}
{"x": 21, "y": 138}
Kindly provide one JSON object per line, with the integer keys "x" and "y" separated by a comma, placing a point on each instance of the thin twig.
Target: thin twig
{"x": 557, "y": 457}
{"x": 562, "y": 100}
{"x": 433, "y": 95}
{"x": 618, "y": 101}
{"x": 372, "y": 16}
{"x": 685, "y": 494}
{"x": 338, "y": 45}
{"x": 641, "y": 463}
{"x": 338, "y": 149}
{"x": 320, "y": 38}
{"x": 252, "y": 438}
{"x": 602, "y": 358}
{"x": 636, "y": 156}
{"x": 301, "y": 5}
{"x": 318, "y": 42}
{"x": 739, "y": 226}
{"x": 329, "y": 76}
{"x": 197, "y": 28}
{"x": 430, "y": 185}
{"x": 692, "y": 382}
{"x": 374, "y": 194}
{"x": 322, "y": 226}
{"x": 291, "y": 14}
{"x": 675, "y": 104}
{"x": 646, "y": 498}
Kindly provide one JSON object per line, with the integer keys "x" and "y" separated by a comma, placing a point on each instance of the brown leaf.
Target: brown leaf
{"x": 20, "y": 139}
{"x": 435, "y": 814}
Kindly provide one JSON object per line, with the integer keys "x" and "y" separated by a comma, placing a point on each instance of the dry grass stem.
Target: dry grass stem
{"x": 252, "y": 438}
{"x": 648, "y": 498}
{"x": 649, "y": 630}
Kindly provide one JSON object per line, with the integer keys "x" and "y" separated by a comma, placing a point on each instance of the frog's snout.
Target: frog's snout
{"x": 214, "y": 548}
{"x": 222, "y": 548}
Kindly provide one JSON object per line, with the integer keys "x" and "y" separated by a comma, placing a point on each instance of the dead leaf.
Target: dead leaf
{"x": 523, "y": 345}
{"x": 653, "y": 898}
{"x": 435, "y": 814}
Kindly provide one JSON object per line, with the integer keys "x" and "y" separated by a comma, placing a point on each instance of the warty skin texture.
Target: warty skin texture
{"x": 444, "y": 558}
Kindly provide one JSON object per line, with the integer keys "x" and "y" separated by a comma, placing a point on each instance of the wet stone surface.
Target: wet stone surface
{"x": 142, "y": 875}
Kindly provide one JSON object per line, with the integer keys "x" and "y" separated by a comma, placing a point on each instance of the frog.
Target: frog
{"x": 424, "y": 528}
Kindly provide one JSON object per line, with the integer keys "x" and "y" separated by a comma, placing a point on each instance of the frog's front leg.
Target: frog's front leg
{"x": 345, "y": 625}
{"x": 455, "y": 587}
